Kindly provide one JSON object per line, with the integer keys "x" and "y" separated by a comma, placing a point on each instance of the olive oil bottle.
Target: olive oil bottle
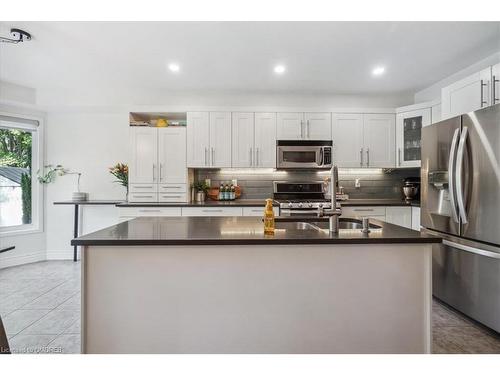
{"x": 269, "y": 217}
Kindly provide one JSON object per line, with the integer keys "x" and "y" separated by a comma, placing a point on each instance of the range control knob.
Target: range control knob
{"x": 310, "y": 204}
{"x": 290, "y": 204}
{"x": 320, "y": 205}
{"x": 300, "y": 205}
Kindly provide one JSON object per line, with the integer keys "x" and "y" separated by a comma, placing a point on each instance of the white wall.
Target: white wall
{"x": 87, "y": 143}
{"x": 29, "y": 247}
{"x": 434, "y": 92}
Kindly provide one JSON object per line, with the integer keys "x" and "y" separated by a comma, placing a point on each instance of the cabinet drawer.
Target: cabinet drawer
{"x": 172, "y": 197}
{"x": 143, "y": 197}
{"x": 143, "y": 188}
{"x": 212, "y": 211}
{"x": 172, "y": 188}
{"x": 363, "y": 211}
{"x": 258, "y": 211}
{"x": 149, "y": 211}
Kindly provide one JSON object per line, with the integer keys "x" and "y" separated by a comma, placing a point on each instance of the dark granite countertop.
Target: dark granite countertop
{"x": 210, "y": 203}
{"x": 151, "y": 231}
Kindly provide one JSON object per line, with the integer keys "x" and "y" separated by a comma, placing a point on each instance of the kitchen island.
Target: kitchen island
{"x": 219, "y": 285}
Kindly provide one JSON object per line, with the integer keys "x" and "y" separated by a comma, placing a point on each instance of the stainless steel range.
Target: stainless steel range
{"x": 300, "y": 198}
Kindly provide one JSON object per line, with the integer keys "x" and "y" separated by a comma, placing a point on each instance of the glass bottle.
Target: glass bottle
{"x": 269, "y": 217}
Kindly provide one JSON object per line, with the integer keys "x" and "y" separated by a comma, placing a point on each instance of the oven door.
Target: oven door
{"x": 300, "y": 157}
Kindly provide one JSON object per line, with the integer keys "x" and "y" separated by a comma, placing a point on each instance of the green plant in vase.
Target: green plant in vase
{"x": 120, "y": 171}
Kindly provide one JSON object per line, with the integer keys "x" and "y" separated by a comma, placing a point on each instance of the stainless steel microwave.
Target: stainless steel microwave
{"x": 304, "y": 154}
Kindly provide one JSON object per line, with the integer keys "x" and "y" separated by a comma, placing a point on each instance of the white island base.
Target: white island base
{"x": 358, "y": 298}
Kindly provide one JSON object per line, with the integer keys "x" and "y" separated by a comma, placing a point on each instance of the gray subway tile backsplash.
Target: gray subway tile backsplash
{"x": 376, "y": 185}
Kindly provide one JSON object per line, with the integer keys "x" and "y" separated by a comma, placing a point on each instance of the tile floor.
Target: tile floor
{"x": 40, "y": 307}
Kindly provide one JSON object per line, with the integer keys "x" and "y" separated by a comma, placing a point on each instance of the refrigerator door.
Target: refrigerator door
{"x": 466, "y": 275}
{"x": 439, "y": 210}
{"x": 478, "y": 175}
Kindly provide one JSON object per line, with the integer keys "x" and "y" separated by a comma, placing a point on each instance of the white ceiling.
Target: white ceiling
{"x": 321, "y": 57}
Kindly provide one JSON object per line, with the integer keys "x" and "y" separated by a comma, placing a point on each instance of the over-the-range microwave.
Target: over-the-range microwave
{"x": 304, "y": 154}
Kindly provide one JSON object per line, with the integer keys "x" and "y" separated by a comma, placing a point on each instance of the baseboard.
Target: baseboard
{"x": 61, "y": 254}
{"x": 16, "y": 260}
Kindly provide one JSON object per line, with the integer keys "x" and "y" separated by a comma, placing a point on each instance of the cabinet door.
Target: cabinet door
{"x": 347, "y": 136}
{"x": 399, "y": 216}
{"x": 243, "y": 139}
{"x": 220, "y": 139}
{"x": 265, "y": 140}
{"x": 409, "y": 136}
{"x": 379, "y": 140}
{"x": 318, "y": 126}
{"x": 466, "y": 95}
{"x": 415, "y": 218}
{"x": 290, "y": 125}
{"x": 495, "y": 84}
{"x": 198, "y": 139}
{"x": 172, "y": 155}
{"x": 144, "y": 146}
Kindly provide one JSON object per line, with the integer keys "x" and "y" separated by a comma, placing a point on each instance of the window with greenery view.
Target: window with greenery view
{"x": 16, "y": 172}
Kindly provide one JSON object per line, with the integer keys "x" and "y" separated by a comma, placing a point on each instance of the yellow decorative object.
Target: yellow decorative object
{"x": 269, "y": 217}
{"x": 161, "y": 123}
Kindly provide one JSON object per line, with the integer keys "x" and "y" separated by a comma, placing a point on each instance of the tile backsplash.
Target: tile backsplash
{"x": 255, "y": 184}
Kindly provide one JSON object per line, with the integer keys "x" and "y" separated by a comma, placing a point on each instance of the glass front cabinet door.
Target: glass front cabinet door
{"x": 409, "y": 136}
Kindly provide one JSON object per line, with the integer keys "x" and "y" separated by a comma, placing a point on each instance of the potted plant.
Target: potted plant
{"x": 49, "y": 173}
{"x": 120, "y": 171}
{"x": 201, "y": 189}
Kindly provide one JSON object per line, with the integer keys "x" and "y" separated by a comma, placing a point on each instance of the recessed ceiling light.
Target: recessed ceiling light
{"x": 379, "y": 70}
{"x": 174, "y": 67}
{"x": 279, "y": 69}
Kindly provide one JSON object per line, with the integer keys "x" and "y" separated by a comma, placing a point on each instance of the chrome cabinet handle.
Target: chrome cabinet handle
{"x": 213, "y": 156}
{"x": 482, "y": 94}
{"x": 171, "y": 187}
{"x": 154, "y": 172}
{"x": 363, "y": 209}
{"x": 451, "y": 175}
{"x": 172, "y": 196}
{"x": 470, "y": 249}
{"x": 367, "y": 157}
{"x": 399, "y": 156}
{"x": 361, "y": 157}
{"x": 143, "y": 187}
{"x": 161, "y": 167}
{"x": 149, "y": 210}
{"x": 495, "y": 99}
{"x": 206, "y": 153}
{"x": 257, "y": 157}
{"x": 302, "y": 129}
{"x": 251, "y": 157}
{"x": 459, "y": 184}
{"x": 212, "y": 210}
{"x": 143, "y": 196}
{"x": 308, "y": 130}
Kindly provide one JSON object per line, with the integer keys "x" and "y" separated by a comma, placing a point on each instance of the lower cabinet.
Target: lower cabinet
{"x": 408, "y": 217}
{"x": 375, "y": 212}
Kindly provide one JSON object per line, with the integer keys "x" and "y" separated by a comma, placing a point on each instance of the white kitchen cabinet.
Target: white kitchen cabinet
{"x": 468, "y": 94}
{"x": 220, "y": 139}
{"x": 347, "y": 136}
{"x": 409, "y": 135}
{"x": 212, "y": 211}
{"x": 172, "y": 155}
{"x": 401, "y": 216}
{"x": 379, "y": 140}
{"x": 415, "y": 218}
{"x": 243, "y": 134}
{"x": 258, "y": 211}
{"x": 304, "y": 126}
{"x": 435, "y": 113}
{"x": 143, "y": 168}
{"x": 318, "y": 126}
{"x": 198, "y": 139}
{"x": 495, "y": 84}
{"x": 290, "y": 125}
{"x": 131, "y": 212}
{"x": 265, "y": 140}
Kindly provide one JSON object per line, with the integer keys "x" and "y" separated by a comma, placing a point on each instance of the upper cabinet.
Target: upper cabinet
{"x": 254, "y": 140}
{"x": 409, "y": 134}
{"x": 303, "y": 126}
{"x": 144, "y": 158}
{"x": 208, "y": 139}
{"x": 172, "y": 155}
{"x": 469, "y": 94}
{"x": 364, "y": 140}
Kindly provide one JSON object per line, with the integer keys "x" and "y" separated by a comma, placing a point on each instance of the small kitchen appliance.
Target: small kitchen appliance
{"x": 411, "y": 188}
{"x": 304, "y": 154}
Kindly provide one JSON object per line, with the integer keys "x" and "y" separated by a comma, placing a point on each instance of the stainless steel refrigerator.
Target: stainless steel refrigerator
{"x": 460, "y": 182}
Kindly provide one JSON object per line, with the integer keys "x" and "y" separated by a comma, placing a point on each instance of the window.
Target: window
{"x": 19, "y": 187}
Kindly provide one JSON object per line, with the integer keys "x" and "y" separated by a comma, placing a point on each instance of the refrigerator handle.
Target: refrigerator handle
{"x": 451, "y": 176}
{"x": 458, "y": 177}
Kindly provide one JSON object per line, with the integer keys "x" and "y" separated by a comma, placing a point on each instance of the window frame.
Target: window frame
{"x": 37, "y": 189}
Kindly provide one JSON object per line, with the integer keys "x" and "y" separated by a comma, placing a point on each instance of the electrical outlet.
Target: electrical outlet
{"x": 357, "y": 183}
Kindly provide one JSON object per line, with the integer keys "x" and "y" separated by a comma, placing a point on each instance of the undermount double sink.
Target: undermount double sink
{"x": 344, "y": 223}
